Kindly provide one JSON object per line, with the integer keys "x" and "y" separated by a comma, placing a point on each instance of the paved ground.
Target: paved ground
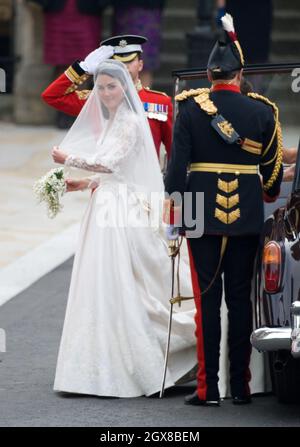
{"x": 33, "y": 323}
{"x": 25, "y": 157}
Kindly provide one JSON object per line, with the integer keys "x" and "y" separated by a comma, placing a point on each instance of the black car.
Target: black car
{"x": 277, "y": 295}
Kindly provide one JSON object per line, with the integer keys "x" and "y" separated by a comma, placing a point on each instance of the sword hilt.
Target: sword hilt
{"x": 179, "y": 298}
{"x": 173, "y": 247}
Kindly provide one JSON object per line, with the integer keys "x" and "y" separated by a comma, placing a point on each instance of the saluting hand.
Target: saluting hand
{"x": 96, "y": 57}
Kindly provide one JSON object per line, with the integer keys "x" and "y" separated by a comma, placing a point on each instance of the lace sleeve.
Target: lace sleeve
{"x": 114, "y": 150}
{"x": 94, "y": 181}
{"x": 89, "y": 163}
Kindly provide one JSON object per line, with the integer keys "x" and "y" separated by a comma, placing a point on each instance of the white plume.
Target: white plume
{"x": 227, "y": 22}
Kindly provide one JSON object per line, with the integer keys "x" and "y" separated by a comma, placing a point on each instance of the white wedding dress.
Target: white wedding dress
{"x": 115, "y": 328}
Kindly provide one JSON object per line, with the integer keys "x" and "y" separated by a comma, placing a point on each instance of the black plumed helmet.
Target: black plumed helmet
{"x": 226, "y": 55}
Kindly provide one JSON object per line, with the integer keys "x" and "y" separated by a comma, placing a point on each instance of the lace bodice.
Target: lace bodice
{"x": 113, "y": 148}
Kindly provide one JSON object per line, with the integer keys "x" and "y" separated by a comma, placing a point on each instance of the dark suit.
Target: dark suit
{"x": 233, "y": 207}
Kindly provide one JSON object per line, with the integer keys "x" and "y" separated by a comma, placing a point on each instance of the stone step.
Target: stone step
{"x": 182, "y": 17}
{"x": 285, "y": 44}
{"x": 286, "y": 36}
{"x": 286, "y": 52}
{"x": 286, "y": 21}
{"x": 179, "y": 19}
{"x": 286, "y": 5}
{"x": 286, "y": 31}
{"x": 282, "y": 44}
{"x": 6, "y": 107}
{"x": 174, "y": 42}
{"x": 284, "y": 58}
{"x": 170, "y": 62}
{"x": 180, "y": 4}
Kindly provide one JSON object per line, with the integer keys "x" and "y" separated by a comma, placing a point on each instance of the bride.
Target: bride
{"x": 115, "y": 328}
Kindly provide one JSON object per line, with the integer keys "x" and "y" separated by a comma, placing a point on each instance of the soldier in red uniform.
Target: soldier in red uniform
{"x": 63, "y": 93}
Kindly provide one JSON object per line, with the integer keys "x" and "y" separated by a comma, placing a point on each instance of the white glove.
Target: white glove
{"x": 95, "y": 58}
{"x": 172, "y": 233}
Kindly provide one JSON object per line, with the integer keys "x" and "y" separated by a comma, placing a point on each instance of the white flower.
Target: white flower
{"x": 49, "y": 189}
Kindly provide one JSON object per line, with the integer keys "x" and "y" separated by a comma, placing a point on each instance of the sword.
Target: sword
{"x": 173, "y": 251}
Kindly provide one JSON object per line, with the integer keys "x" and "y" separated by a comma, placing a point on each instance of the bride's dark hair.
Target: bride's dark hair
{"x": 115, "y": 70}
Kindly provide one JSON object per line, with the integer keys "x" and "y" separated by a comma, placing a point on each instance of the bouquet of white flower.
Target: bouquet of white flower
{"x": 49, "y": 189}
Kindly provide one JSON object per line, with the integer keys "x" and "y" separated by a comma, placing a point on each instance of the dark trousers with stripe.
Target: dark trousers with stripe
{"x": 237, "y": 266}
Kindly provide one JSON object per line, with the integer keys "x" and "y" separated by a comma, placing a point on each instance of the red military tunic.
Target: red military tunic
{"x": 63, "y": 94}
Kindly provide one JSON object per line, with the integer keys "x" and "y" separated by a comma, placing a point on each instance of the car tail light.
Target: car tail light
{"x": 272, "y": 266}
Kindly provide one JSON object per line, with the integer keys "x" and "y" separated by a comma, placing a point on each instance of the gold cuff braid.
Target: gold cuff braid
{"x": 75, "y": 78}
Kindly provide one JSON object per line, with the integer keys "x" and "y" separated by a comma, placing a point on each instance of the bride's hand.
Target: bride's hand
{"x": 58, "y": 156}
{"x": 76, "y": 185}
{"x": 289, "y": 173}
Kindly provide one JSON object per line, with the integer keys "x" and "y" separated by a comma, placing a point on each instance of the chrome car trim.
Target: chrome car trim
{"x": 295, "y": 308}
{"x": 295, "y": 336}
{"x": 271, "y": 339}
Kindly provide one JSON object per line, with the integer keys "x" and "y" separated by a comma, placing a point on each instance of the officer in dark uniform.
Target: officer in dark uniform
{"x": 232, "y": 145}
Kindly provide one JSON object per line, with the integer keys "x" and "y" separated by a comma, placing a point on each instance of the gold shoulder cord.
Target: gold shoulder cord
{"x": 75, "y": 78}
{"x": 277, "y": 130}
{"x": 201, "y": 97}
{"x": 205, "y": 103}
{"x": 187, "y": 93}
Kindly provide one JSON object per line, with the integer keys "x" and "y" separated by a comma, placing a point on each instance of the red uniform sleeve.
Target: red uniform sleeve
{"x": 166, "y": 129}
{"x": 63, "y": 95}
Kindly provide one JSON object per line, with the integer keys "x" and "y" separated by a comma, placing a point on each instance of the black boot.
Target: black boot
{"x": 193, "y": 399}
{"x": 241, "y": 400}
